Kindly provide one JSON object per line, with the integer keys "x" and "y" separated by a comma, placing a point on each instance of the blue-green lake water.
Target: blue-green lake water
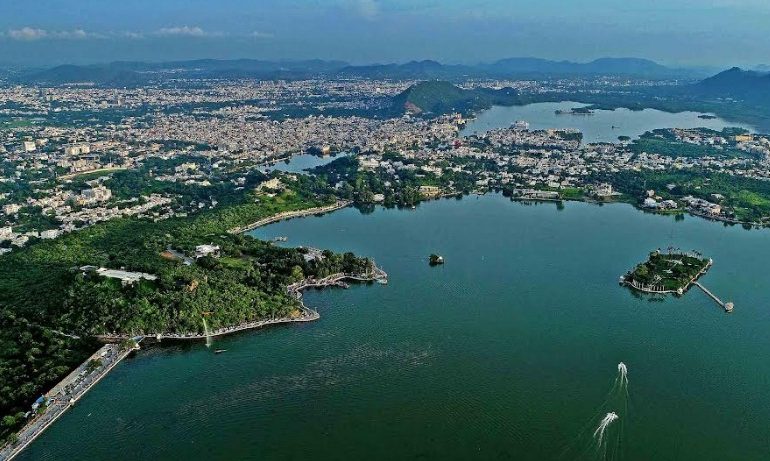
{"x": 602, "y": 126}
{"x": 302, "y": 162}
{"x": 508, "y": 351}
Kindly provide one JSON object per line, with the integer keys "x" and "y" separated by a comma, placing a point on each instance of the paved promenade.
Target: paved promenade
{"x": 65, "y": 394}
{"x": 289, "y": 215}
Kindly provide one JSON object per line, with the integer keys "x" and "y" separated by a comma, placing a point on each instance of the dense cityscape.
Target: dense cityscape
{"x": 57, "y": 177}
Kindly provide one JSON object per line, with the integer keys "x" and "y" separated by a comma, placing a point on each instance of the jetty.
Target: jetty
{"x": 728, "y": 306}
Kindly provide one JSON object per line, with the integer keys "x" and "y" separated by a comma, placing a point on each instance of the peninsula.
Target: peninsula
{"x": 156, "y": 280}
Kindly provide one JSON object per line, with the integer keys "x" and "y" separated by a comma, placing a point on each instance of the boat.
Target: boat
{"x": 219, "y": 351}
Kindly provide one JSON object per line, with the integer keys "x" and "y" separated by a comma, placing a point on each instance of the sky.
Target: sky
{"x": 714, "y": 33}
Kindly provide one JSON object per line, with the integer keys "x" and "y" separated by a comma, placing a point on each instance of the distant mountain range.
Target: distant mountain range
{"x": 513, "y": 67}
{"x": 604, "y": 66}
{"x": 118, "y": 74}
{"x": 124, "y": 73}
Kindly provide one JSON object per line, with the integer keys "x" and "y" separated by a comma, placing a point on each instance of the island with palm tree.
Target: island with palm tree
{"x": 669, "y": 271}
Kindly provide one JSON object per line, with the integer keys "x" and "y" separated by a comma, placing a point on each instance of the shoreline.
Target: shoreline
{"x": 308, "y": 314}
{"x": 289, "y": 215}
{"x": 37, "y": 426}
{"x": 59, "y": 407}
{"x": 295, "y": 290}
{"x": 683, "y": 211}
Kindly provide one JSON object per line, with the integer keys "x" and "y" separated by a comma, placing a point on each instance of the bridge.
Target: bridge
{"x": 728, "y": 306}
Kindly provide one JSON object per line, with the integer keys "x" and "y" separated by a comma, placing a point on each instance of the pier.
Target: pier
{"x": 728, "y": 306}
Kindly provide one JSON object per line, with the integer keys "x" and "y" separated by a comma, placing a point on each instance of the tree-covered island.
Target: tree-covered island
{"x": 667, "y": 272}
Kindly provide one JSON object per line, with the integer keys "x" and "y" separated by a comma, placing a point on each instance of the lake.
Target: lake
{"x": 300, "y": 163}
{"x": 595, "y": 128}
{"x": 508, "y": 351}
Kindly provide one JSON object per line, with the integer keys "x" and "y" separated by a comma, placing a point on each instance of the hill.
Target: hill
{"x": 130, "y": 74}
{"x": 603, "y": 66}
{"x": 512, "y": 67}
{"x": 440, "y": 97}
{"x": 127, "y": 73}
{"x": 736, "y": 83}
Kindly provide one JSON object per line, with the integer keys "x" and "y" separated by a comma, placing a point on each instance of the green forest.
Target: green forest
{"x": 42, "y": 288}
{"x": 747, "y": 199}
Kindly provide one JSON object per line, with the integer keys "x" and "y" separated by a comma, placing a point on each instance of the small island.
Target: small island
{"x": 435, "y": 260}
{"x": 575, "y": 111}
{"x": 670, "y": 272}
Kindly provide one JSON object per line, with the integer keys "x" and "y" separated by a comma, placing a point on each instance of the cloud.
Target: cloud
{"x": 185, "y": 31}
{"x": 130, "y": 35}
{"x": 27, "y": 34}
{"x": 259, "y": 34}
{"x": 30, "y": 34}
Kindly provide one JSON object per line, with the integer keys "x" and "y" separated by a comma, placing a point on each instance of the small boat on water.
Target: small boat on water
{"x": 281, "y": 239}
{"x": 219, "y": 351}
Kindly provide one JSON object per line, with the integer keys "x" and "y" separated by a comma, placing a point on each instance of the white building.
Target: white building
{"x": 207, "y": 250}
{"x": 11, "y": 208}
{"x": 28, "y": 146}
{"x": 77, "y": 148}
{"x": 127, "y": 278}
{"x": 49, "y": 234}
{"x": 520, "y": 125}
{"x": 96, "y": 194}
{"x": 604, "y": 190}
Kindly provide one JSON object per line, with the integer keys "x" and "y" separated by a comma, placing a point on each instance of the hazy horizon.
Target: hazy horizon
{"x": 677, "y": 33}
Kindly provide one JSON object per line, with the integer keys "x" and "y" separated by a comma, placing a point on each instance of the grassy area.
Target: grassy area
{"x": 571, "y": 193}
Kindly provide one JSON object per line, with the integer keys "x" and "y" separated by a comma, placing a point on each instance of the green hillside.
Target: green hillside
{"x": 438, "y": 97}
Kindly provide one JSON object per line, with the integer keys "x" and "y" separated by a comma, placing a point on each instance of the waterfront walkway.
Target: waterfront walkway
{"x": 65, "y": 394}
{"x": 728, "y": 306}
{"x": 290, "y": 214}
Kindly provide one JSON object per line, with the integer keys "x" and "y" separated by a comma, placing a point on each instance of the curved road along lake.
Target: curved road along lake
{"x": 508, "y": 351}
